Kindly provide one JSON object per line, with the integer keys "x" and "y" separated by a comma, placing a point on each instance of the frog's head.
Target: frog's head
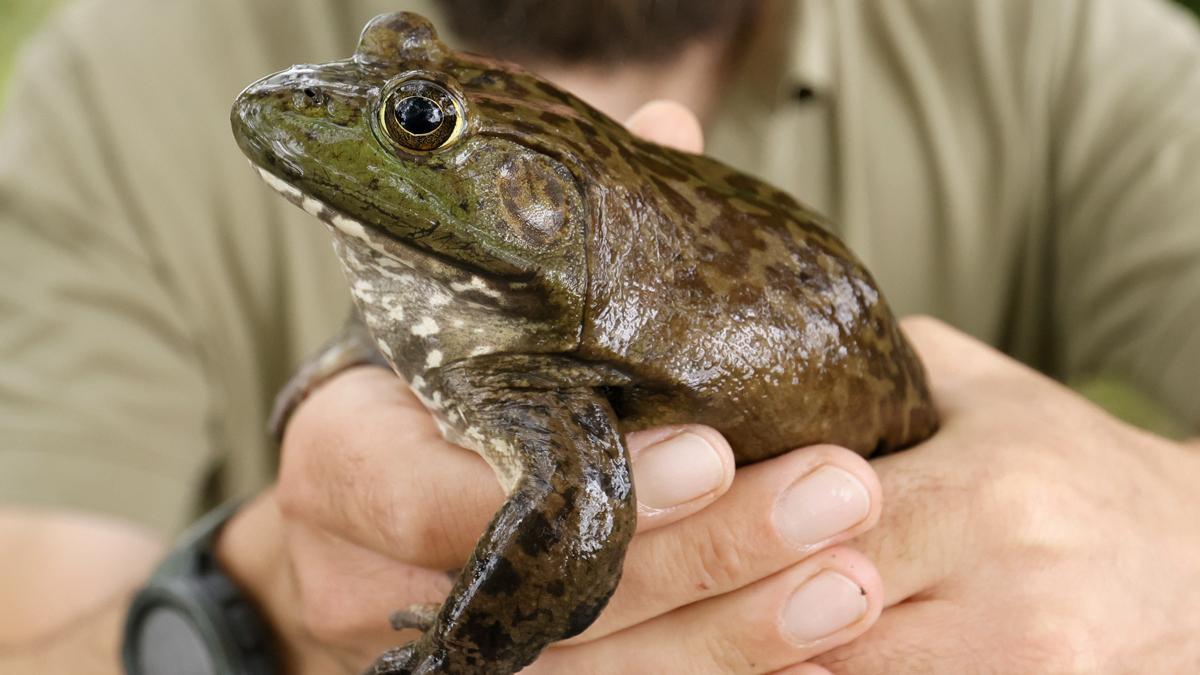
{"x": 418, "y": 151}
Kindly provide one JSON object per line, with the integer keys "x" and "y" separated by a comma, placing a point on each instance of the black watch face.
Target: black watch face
{"x": 170, "y": 644}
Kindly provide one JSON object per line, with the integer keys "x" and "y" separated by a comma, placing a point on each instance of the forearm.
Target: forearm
{"x": 89, "y": 646}
{"x": 66, "y": 589}
{"x": 61, "y": 567}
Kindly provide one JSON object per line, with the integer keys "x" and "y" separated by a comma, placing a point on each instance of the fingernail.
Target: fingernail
{"x": 676, "y": 471}
{"x": 820, "y": 505}
{"x": 822, "y": 606}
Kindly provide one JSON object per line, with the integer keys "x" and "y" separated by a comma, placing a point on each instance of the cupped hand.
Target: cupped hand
{"x": 725, "y": 576}
{"x": 1032, "y": 534}
{"x": 373, "y": 510}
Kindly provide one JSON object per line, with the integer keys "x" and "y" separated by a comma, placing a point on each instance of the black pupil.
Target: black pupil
{"x": 419, "y": 115}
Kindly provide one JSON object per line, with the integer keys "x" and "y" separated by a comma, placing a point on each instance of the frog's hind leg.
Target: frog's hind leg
{"x": 352, "y": 346}
{"x": 552, "y": 555}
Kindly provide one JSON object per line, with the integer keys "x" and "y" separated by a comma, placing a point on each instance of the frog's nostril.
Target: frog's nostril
{"x": 307, "y": 98}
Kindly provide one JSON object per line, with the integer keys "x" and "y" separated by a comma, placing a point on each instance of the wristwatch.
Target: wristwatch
{"x": 191, "y": 619}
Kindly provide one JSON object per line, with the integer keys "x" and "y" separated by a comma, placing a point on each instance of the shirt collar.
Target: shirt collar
{"x": 810, "y": 63}
{"x": 790, "y": 50}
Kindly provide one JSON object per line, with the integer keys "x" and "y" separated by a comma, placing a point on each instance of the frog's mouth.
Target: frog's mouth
{"x": 313, "y": 206}
{"x": 484, "y": 288}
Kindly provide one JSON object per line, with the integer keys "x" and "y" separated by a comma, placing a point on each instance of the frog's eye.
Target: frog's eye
{"x": 421, "y": 115}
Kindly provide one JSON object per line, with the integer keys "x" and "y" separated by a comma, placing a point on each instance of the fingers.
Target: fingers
{"x": 820, "y": 603}
{"x": 777, "y": 513}
{"x": 347, "y": 592}
{"x": 668, "y": 123}
{"x": 363, "y": 460}
{"x": 253, "y": 552}
{"x": 327, "y": 600}
{"x": 677, "y": 471}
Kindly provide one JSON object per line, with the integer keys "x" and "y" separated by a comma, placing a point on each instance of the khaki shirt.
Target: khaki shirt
{"x": 1028, "y": 170}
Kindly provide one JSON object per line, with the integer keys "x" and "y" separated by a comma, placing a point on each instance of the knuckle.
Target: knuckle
{"x": 1010, "y": 488}
{"x": 1030, "y": 504}
{"x": 1056, "y": 644}
{"x": 409, "y": 534}
{"x": 735, "y": 652}
{"x": 721, "y": 561}
{"x": 754, "y": 641}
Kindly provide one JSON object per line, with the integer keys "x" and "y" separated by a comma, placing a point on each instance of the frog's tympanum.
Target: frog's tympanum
{"x": 545, "y": 281}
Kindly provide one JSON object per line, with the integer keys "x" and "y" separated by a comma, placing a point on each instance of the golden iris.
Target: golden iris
{"x": 421, "y": 115}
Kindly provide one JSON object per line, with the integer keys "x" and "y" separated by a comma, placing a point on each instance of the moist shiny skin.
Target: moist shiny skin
{"x": 545, "y": 281}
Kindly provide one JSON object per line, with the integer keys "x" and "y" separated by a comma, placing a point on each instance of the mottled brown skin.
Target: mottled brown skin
{"x": 546, "y": 281}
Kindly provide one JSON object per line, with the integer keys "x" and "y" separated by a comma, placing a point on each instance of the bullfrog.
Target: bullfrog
{"x": 545, "y": 281}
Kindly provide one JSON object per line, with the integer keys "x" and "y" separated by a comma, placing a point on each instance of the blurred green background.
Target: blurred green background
{"x": 19, "y": 18}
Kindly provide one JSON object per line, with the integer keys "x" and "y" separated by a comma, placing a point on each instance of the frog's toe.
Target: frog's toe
{"x": 414, "y": 658}
{"x": 421, "y": 617}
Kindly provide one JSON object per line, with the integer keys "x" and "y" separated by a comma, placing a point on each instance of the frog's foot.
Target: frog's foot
{"x": 415, "y": 658}
{"x": 421, "y": 616}
{"x": 352, "y": 346}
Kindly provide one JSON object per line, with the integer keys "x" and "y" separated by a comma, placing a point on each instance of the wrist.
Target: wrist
{"x": 192, "y": 616}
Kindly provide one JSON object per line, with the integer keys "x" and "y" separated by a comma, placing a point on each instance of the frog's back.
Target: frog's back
{"x": 730, "y": 304}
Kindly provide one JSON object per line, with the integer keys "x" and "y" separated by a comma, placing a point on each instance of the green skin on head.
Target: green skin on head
{"x": 545, "y": 282}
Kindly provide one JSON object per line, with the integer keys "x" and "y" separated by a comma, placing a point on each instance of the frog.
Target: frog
{"x": 546, "y": 282}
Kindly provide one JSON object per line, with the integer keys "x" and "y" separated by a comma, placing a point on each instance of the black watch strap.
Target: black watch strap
{"x": 191, "y": 618}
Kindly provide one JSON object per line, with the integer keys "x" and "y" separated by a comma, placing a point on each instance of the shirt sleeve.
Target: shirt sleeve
{"x": 103, "y": 403}
{"x": 1127, "y": 199}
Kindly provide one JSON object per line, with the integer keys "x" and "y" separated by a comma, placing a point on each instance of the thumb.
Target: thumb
{"x": 668, "y": 123}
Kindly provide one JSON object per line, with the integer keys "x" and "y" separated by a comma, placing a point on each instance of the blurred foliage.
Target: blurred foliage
{"x": 18, "y": 18}
{"x": 1130, "y": 405}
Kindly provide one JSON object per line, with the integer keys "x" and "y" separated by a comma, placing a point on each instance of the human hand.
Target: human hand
{"x": 372, "y": 507}
{"x": 1034, "y": 533}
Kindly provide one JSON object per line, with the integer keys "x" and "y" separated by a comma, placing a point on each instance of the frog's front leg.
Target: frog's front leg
{"x": 552, "y": 555}
{"x": 352, "y": 346}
